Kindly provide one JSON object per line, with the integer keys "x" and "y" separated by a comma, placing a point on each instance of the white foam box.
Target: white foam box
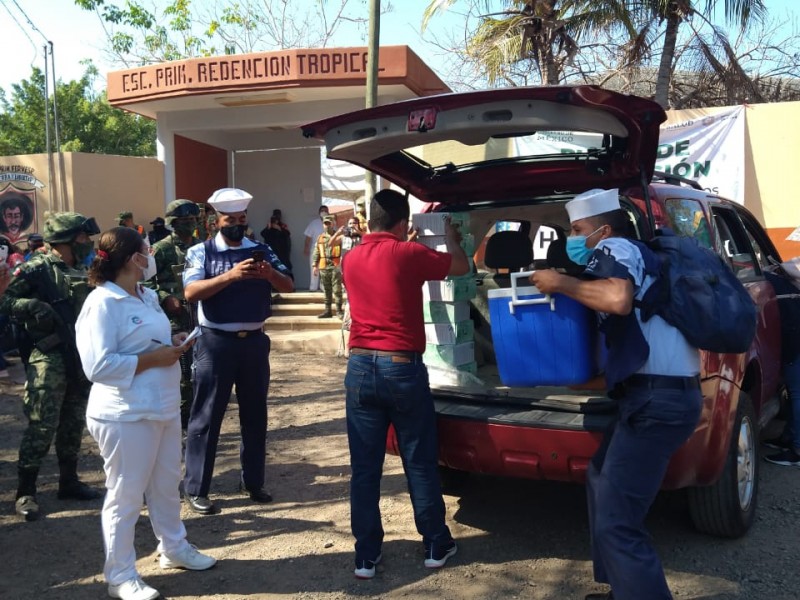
{"x": 453, "y": 355}
{"x": 445, "y": 312}
{"x": 439, "y": 243}
{"x": 449, "y": 290}
{"x": 433, "y": 223}
{"x": 449, "y": 333}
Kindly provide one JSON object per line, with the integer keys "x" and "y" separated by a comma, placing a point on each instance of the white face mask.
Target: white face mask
{"x": 150, "y": 270}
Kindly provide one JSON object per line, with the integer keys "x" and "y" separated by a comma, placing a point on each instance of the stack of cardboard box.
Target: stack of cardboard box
{"x": 449, "y": 331}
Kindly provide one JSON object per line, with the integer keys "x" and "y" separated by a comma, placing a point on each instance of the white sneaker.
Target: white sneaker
{"x": 188, "y": 558}
{"x": 133, "y": 589}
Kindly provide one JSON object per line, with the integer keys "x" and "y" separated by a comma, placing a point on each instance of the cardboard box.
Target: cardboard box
{"x": 449, "y": 290}
{"x": 444, "y": 355}
{"x": 445, "y": 312}
{"x": 433, "y": 223}
{"x": 449, "y": 333}
{"x": 439, "y": 243}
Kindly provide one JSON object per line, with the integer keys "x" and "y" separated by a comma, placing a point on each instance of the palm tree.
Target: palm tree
{"x": 546, "y": 32}
{"x": 652, "y": 13}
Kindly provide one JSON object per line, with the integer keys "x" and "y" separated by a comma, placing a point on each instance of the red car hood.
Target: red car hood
{"x": 486, "y": 146}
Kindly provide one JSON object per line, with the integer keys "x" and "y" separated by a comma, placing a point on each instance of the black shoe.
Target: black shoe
{"x": 200, "y": 504}
{"x": 27, "y": 508}
{"x": 786, "y": 458}
{"x": 598, "y": 596}
{"x": 778, "y": 443}
{"x": 77, "y": 490}
{"x": 261, "y": 496}
{"x": 326, "y": 315}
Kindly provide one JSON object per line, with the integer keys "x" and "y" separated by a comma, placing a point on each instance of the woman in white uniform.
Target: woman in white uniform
{"x": 130, "y": 356}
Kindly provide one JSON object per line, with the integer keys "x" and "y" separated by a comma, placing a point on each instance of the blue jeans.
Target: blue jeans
{"x": 622, "y": 481}
{"x": 791, "y": 376}
{"x": 380, "y": 392}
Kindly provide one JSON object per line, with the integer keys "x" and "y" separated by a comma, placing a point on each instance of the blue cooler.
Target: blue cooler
{"x": 541, "y": 339}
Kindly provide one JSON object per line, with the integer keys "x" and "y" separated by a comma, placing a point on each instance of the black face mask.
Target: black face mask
{"x": 234, "y": 233}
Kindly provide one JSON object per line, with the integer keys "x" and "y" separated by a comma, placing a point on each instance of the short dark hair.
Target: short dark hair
{"x": 114, "y": 249}
{"x": 618, "y": 220}
{"x": 387, "y": 209}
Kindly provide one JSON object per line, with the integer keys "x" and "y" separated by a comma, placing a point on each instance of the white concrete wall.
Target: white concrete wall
{"x": 284, "y": 179}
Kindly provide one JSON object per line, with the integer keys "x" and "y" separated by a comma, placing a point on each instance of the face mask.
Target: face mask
{"x": 150, "y": 270}
{"x": 88, "y": 260}
{"x": 184, "y": 228}
{"x": 576, "y": 247}
{"x": 81, "y": 250}
{"x": 234, "y": 233}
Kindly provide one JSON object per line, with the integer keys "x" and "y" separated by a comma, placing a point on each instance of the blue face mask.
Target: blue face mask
{"x": 576, "y": 247}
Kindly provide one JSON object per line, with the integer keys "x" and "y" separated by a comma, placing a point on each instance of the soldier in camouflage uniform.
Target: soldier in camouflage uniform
{"x": 44, "y": 298}
{"x": 170, "y": 255}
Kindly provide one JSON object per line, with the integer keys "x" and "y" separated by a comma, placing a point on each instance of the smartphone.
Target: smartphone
{"x": 258, "y": 255}
{"x": 3, "y": 253}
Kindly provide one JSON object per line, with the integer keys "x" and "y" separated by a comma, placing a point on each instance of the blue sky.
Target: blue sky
{"x": 77, "y": 34}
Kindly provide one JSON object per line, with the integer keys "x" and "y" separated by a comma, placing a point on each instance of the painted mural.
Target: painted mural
{"x": 18, "y": 186}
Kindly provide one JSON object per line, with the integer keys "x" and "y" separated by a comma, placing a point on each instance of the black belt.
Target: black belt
{"x": 663, "y": 382}
{"x": 402, "y": 354}
{"x": 234, "y": 334}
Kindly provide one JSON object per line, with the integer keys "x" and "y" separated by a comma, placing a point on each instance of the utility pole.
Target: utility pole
{"x": 373, "y": 53}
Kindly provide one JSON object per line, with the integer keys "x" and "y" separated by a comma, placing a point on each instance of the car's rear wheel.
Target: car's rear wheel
{"x": 728, "y": 507}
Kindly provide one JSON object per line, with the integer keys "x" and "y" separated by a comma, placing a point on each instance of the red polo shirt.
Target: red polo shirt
{"x": 384, "y": 278}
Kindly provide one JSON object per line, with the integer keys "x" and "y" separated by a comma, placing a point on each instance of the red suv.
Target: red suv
{"x": 490, "y": 154}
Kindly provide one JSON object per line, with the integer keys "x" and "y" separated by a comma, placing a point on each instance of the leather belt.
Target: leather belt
{"x": 404, "y": 355}
{"x": 234, "y": 334}
{"x": 663, "y": 382}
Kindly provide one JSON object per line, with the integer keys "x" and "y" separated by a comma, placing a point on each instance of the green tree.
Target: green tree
{"x": 87, "y": 122}
{"x": 138, "y": 35}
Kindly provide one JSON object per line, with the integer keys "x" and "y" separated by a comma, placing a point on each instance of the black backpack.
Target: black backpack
{"x": 698, "y": 293}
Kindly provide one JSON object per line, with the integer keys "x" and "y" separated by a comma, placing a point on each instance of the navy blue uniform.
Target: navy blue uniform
{"x": 654, "y": 374}
{"x": 233, "y": 350}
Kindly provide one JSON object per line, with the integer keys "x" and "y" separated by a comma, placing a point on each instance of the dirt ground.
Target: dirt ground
{"x": 517, "y": 539}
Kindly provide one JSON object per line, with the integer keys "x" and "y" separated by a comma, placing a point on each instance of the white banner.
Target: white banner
{"x": 708, "y": 149}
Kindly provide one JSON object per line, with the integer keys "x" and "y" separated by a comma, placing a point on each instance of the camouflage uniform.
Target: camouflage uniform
{"x": 326, "y": 258}
{"x": 170, "y": 255}
{"x": 44, "y": 299}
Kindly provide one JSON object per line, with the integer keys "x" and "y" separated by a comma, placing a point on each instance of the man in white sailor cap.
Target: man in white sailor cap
{"x": 231, "y": 278}
{"x": 653, "y": 373}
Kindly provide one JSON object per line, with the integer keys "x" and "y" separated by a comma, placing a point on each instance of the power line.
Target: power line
{"x": 23, "y": 30}
{"x": 27, "y": 18}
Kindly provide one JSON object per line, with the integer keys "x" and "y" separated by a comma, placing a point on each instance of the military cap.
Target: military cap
{"x": 125, "y": 215}
{"x": 157, "y": 221}
{"x": 35, "y": 237}
{"x": 61, "y": 228}
{"x": 182, "y": 208}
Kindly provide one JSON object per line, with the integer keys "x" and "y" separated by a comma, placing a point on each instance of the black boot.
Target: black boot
{"x": 26, "y": 505}
{"x": 72, "y": 488}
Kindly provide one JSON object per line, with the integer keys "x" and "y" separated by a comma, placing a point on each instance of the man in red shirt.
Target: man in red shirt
{"x": 386, "y": 380}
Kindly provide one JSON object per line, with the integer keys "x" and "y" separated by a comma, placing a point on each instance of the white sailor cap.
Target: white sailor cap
{"x": 230, "y": 200}
{"x": 591, "y": 203}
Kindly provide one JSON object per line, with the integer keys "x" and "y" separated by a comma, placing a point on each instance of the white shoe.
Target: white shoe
{"x": 133, "y": 589}
{"x": 188, "y": 558}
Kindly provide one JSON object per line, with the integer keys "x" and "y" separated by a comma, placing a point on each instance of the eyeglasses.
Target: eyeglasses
{"x": 186, "y": 210}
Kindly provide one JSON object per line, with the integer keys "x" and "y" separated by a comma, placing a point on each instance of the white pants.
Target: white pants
{"x": 140, "y": 457}
{"x": 313, "y": 282}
